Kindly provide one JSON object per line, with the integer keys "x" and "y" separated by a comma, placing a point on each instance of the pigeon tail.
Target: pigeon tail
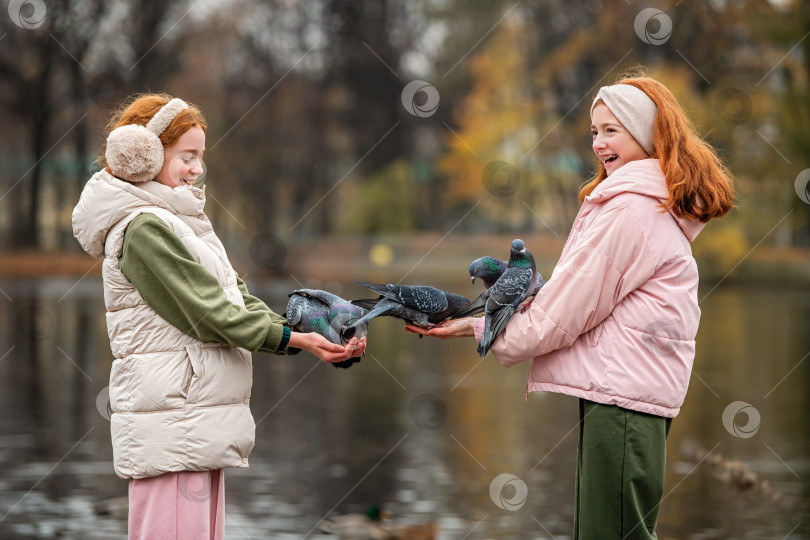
{"x": 390, "y": 307}
{"x": 378, "y": 310}
{"x": 366, "y": 303}
{"x": 381, "y": 289}
{"x": 495, "y": 326}
{"x": 476, "y": 307}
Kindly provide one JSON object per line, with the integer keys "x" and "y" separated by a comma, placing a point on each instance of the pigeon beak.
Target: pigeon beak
{"x": 472, "y": 280}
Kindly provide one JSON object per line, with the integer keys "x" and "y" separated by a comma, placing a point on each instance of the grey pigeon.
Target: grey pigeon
{"x": 314, "y": 310}
{"x": 489, "y": 269}
{"x": 502, "y": 299}
{"x": 416, "y": 304}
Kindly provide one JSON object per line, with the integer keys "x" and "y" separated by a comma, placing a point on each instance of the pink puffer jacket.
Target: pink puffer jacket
{"x": 616, "y": 323}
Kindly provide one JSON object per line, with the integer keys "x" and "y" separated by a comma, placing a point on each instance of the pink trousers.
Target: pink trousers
{"x": 179, "y": 505}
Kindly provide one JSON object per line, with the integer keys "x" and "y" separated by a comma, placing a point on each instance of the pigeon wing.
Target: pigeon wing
{"x": 421, "y": 298}
{"x": 384, "y": 306}
{"x": 295, "y": 308}
{"x": 324, "y": 296}
{"x": 510, "y": 289}
{"x": 537, "y": 284}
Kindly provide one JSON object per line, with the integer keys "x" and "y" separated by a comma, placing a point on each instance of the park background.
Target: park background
{"x": 394, "y": 142}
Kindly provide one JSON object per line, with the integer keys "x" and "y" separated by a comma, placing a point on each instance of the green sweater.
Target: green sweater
{"x": 189, "y": 297}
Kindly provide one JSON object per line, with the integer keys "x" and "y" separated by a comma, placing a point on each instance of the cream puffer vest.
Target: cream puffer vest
{"x": 178, "y": 404}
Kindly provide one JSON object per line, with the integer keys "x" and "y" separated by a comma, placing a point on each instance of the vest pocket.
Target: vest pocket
{"x": 195, "y": 374}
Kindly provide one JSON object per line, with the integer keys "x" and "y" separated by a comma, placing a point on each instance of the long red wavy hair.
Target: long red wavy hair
{"x": 140, "y": 108}
{"x": 700, "y": 186}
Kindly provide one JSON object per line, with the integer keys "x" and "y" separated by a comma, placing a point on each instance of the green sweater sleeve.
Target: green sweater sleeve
{"x": 189, "y": 297}
{"x": 255, "y": 304}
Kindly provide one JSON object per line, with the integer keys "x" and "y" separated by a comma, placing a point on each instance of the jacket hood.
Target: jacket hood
{"x": 643, "y": 177}
{"x": 106, "y": 200}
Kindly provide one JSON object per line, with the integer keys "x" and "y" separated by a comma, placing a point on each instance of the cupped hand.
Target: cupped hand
{"x": 449, "y": 329}
{"x": 355, "y": 347}
{"x": 325, "y": 349}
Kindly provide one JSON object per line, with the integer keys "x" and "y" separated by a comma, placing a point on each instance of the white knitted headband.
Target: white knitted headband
{"x": 633, "y": 108}
{"x": 134, "y": 152}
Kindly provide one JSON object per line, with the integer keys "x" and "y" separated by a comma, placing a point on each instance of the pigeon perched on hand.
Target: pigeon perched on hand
{"x": 489, "y": 269}
{"x": 518, "y": 282}
{"x": 313, "y": 310}
{"x": 415, "y": 304}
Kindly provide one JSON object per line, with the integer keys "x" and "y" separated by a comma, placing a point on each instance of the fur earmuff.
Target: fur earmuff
{"x": 134, "y": 152}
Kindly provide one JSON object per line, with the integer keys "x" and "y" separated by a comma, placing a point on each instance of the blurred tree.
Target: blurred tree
{"x": 382, "y": 203}
{"x": 363, "y": 59}
{"x": 41, "y": 64}
{"x": 156, "y": 40}
{"x": 304, "y": 103}
{"x": 48, "y": 76}
{"x": 495, "y": 124}
{"x": 554, "y": 56}
{"x": 27, "y": 62}
{"x": 791, "y": 77}
{"x": 332, "y": 69}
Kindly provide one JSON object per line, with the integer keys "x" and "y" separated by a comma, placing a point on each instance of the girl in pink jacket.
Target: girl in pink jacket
{"x": 615, "y": 325}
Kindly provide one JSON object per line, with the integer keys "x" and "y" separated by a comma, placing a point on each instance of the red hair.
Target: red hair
{"x": 140, "y": 108}
{"x": 700, "y": 185}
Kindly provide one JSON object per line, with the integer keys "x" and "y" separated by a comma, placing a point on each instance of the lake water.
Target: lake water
{"x": 422, "y": 427}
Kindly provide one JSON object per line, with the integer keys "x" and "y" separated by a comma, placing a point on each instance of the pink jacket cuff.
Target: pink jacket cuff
{"x": 478, "y": 328}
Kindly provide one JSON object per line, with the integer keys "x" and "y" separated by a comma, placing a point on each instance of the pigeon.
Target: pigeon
{"x": 313, "y": 310}
{"x": 489, "y": 269}
{"x": 415, "y": 304}
{"x": 516, "y": 284}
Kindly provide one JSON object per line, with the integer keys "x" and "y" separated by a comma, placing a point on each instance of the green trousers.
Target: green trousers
{"x": 620, "y": 472}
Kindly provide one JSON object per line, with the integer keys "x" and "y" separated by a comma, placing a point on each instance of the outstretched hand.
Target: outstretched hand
{"x": 451, "y": 328}
{"x": 325, "y": 349}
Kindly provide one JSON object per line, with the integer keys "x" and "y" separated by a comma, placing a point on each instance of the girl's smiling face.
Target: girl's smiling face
{"x": 612, "y": 143}
{"x": 182, "y": 163}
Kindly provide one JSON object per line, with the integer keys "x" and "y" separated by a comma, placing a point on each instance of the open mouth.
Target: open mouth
{"x": 186, "y": 182}
{"x": 607, "y": 160}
